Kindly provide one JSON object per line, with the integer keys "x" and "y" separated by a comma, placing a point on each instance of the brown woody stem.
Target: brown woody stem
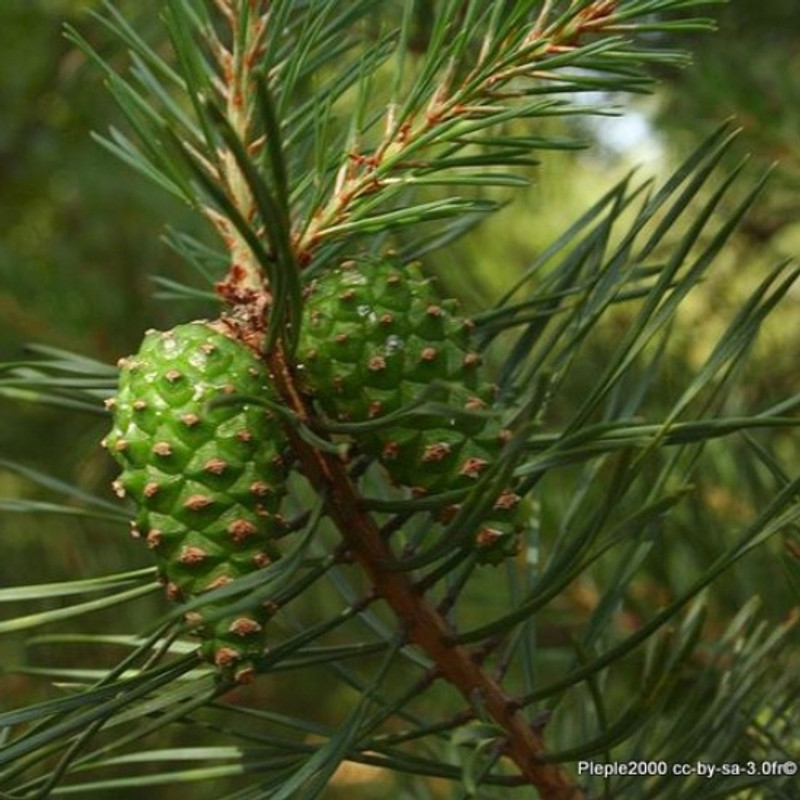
{"x": 236, "y": 87}
{"x": 423, "y": 624}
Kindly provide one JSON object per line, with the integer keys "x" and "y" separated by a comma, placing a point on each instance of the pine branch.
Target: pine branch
{"x": 240, "y": 131}
{"x": 420, "y": 622}
{"x": 419, "y": 141}
{"x": 447, "y": 126}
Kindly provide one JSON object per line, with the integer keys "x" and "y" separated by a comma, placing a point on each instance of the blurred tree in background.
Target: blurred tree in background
{"x": 749, "y": 71}
{"x": 76, "y": 258}
{"x": 73, "y": 245}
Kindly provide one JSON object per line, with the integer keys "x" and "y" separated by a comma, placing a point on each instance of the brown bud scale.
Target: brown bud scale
{"x": 197, "y": 502}
{"x": 473, "y": 467}
{"x": 377, "y": 364}
{"x": 226, "y": 656}
{"x": 174, "y": 592}
{"x": 244, "y": 626}
{"x": 486, "y": 537}
{"x": 241, "y": 529}
{"x": 260, "y": 489}
{"x": 215, "y": 466}
{"x": 221, "y": 580}
{"x": 436, "y": 452}
{"x": 191, "y": 556}
{"x": 507, "y": 500}
{"x": 154, "y": 538}
{"x": 390, "y": 451}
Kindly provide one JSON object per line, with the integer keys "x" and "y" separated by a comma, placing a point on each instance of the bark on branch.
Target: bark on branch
{"x": 424, "y": 625}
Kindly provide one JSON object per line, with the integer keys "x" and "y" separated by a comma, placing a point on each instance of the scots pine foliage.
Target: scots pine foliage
{"x": 406, "y": 543}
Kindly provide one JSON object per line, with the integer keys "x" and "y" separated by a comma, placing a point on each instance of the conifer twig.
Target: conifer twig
{"x": 236, "y": 64}
{"x": 424, "y": 625}
{"x": 476, "y": 96}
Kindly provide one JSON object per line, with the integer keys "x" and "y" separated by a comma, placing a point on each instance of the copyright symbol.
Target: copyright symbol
{"x": 790, "y": 768}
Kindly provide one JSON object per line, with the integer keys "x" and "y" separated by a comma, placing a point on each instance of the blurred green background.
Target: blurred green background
{"x": 80, "y": 238}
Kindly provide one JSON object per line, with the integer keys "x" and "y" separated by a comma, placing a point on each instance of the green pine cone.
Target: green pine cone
{"x": 207, "y": 481}
{"x": 375, "y": 337}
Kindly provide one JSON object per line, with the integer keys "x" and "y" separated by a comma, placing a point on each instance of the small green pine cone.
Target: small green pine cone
{"x": 207, "y": 481}
{"x": 375, "y": 336}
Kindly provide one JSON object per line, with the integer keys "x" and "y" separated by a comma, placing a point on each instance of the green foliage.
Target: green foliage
{"x": 631, "y": 626}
